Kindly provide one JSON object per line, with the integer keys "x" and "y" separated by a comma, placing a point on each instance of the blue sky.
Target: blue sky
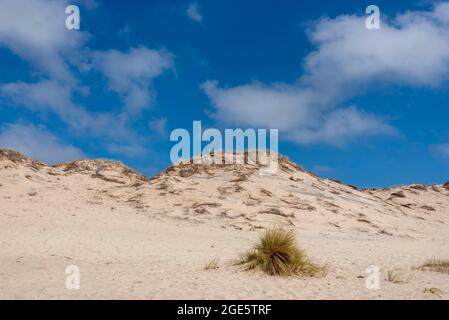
{"x": 368, "y": 107}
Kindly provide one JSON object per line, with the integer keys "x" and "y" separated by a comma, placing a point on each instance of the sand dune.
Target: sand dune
{"x": 134, "y": 237}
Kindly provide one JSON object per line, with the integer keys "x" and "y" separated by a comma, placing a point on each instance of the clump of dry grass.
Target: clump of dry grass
{"x": 393, "y": 276}
{"x": 434, "y": 291}
{"x": 397, "y": 278}
{"x": 211, "y": 265}
{"x": 278, "y": 254}
{"x": 436, "y": 265}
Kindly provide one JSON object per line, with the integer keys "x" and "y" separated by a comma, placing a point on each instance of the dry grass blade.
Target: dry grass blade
{"x": 278, "y": 254}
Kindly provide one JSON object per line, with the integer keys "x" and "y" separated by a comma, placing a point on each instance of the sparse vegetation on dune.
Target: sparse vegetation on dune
{"x": 212, "y": 265}
{"x": 393, "y": 277}
{"x": 277, "y": 253}
{"x": 396, "y": 277}
{"x": 437, "y": 265}
{"x": 434, "y": 291}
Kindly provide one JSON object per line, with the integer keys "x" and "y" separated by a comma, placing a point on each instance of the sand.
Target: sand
{"x": 134, "y": 238}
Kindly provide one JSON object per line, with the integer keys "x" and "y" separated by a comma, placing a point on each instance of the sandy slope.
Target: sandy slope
{"x": 138, "y": 238}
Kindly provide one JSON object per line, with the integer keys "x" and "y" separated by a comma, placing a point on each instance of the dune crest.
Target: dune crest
{"x": 236, "y": 196}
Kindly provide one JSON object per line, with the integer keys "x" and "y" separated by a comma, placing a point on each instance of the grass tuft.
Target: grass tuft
{"x": 436, "y": 265}
{"x": 396, "y": 278}
{"x": 434, "y": 291}
{"x": 278, "y": 254}
{"x": 212, "y": 265}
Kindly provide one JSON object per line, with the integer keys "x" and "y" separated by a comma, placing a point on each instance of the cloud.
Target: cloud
{"x": 34, "y": 30}
{"x": 441, "y": 150}
{"x": 130, "y": 73}
{"x": 37, "y": 143}
{"x": 348, "y": 59}
{"x": 343, "y": 125}
{"x": 50, "y": 96}
{"x": 193, "y": 12}
{"x": 296, "y": 111}
{"x": 159, "y": 126}
{"x": 412, "y": 49}
{"x": 259, "y": 105}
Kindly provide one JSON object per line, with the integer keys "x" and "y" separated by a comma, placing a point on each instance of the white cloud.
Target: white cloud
{"x": 50, "y": 96}
{"x": 298, "y": 112}
{"x": 412, "y": 49}
{"x": 37, "y": 143}
{"x": 130, "y": 73}
{"x": 441, "y": 149}
{"x": 343, "y": 125}
{"x": 348, "y": 59}
{"x": 258, "y": 104}
{"x": 193, "y": 12}
{"x": 34, "y": 29}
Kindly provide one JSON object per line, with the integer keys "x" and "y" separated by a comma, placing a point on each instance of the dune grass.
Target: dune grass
{"x": 436, "y": 265}
{"x": 212, "y": 264}
{"x": 434, "y": 291}
{"x": 277, "y": 253}
{"x": 395, "y": 277}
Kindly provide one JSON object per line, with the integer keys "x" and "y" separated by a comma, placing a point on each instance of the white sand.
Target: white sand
{"x": 151, "y": 240}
